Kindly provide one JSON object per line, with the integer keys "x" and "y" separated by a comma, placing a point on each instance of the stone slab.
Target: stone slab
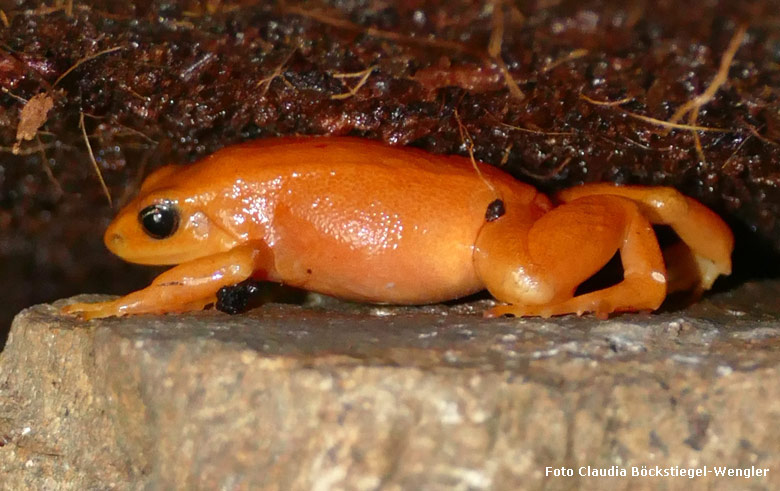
{"x": 364, "y": 397}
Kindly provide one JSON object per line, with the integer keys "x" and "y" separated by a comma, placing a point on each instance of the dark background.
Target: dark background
{"x": 187, "y": 78}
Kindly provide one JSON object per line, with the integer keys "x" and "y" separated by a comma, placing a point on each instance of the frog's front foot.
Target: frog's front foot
{"x": 96, "y": 310}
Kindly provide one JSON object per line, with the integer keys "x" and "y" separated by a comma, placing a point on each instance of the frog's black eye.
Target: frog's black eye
{"x": 159, "y": 221}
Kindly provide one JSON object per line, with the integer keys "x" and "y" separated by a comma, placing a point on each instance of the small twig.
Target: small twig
{"x": 494, "y": 49}
{"x": 123, "y": 129}
{"x": 82, "y": 61}
{"x": 551, "y": 174}
{"x": 497, "y": 33}
{"x": 505, "y": 155}
{"x": 754, "y": 131}
{"x": 266, "y": 82}
{"x": 31, "y": 150}
{"x": 674, "y": 126}
{"x": 595, "y": 102}
{"x": 572, "y": 55}
{"x": 20, "y": 99}
{"x": 528, "y": 130}
{"x": 341, "y": 75}
{"x": 692, "y": 118}
{"x": 646, "y": 147}
{"x": 514, "y": 89}
{"x": 648, "y": 119}
{"x": 691, "y": 108}
{"x": 175, "y": 24}
{"x": 351, "y": 92}
{"x": 537, "y": 132}
{"x": 26, "y": 151}
{"x": 132, "y": 131}
{"x": 134, "y": 93}
{"x": 42, "y": 10}
{"x": 4, "y": 19}
{"x": 47, "y": 167}
{"x": 466, "y": 138}
{"x": 720, "y": 77}
{"x": 92, "y": 158}
{"x": 735, "y": 152}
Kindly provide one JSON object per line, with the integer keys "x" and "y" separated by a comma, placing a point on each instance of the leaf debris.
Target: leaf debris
{"x": 33, "y": 115}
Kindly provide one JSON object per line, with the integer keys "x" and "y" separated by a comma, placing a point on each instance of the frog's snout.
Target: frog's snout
{"x": 113, "y": 239}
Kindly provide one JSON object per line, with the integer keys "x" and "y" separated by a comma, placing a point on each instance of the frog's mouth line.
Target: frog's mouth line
{"x": 184, "y": 246}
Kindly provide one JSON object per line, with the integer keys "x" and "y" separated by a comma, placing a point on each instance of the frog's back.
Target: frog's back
{"x": 267, "y": 160}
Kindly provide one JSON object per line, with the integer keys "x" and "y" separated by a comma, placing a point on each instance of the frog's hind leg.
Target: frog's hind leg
{"x": 539, "y": 271}
{"x": 707, "y": 242}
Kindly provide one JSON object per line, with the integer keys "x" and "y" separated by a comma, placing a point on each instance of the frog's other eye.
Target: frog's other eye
{"x": 159, "y": 221}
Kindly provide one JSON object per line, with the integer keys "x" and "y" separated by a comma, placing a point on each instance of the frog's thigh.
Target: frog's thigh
{"x": 565, "y": 247}
{"x": 188, "y": 286}
{"x": 708, "y": 240}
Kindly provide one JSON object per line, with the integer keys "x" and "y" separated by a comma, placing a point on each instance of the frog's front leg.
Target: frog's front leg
{"x": 188, "y": 286}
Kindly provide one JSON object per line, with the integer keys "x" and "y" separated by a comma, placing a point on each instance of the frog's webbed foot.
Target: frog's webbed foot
{"x": 690, "y": 272}
{"x": 704, "y": 252}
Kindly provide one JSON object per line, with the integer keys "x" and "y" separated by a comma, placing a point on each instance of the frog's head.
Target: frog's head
{"x": 165, "y": 224}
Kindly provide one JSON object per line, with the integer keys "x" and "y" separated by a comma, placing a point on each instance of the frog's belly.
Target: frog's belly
{"x": 384, "y": 280}
{"x": 388, "y": 262}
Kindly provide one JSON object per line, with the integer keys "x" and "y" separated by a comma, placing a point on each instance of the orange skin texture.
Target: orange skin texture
{"x": 364, "y": 221}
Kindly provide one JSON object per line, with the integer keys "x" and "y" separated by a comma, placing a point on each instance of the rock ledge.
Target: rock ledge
{"x": 288, "y": 397}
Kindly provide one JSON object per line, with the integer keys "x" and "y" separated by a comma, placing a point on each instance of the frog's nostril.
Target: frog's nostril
{"x": 115, "y": 239}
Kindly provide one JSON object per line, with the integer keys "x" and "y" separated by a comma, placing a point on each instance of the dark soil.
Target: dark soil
{"x": 187, "y": 78}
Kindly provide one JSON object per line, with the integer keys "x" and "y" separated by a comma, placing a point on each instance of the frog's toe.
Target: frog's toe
{"x": 576, "y": 305}
{"x": 500, "y": 311}
{"x": 516, "y": 311}
{"x": 89, "y": 311}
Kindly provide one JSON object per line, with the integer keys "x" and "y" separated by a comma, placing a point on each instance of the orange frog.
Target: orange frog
{"x": 363, "y": 221}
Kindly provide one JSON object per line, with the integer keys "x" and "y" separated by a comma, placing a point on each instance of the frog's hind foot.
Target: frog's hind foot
{"x": 707, "y": 242}
{"x": 599, "y": 308}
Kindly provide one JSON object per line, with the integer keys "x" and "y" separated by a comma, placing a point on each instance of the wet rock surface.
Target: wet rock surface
{"x": 363, "y": 397}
